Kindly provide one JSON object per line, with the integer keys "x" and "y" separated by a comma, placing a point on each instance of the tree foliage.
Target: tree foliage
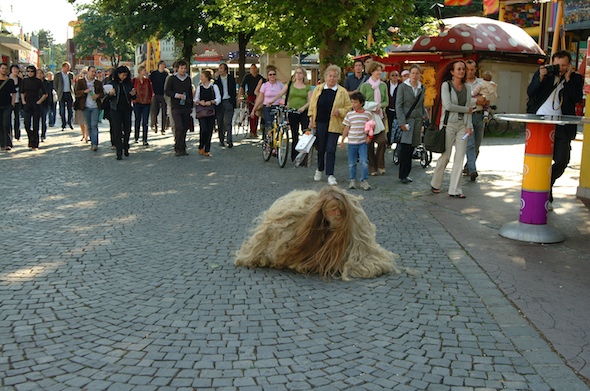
{"x": 97, "y": 32}
{"x": 186, "y": 21}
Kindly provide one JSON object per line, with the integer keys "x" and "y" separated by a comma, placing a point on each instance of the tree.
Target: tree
{"x": 186, "y": 21}
{"x": 334, "y": 27}
{"x": 97, "y": 33}
{"x": 239, "y": 24}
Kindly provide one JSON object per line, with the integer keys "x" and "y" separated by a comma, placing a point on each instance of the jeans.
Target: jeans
{"x": 51, "y": 111}
{"x": 44, "y": 111}
{"x": 142, "y": 112}
{"x": 326, "y": 143}
{"x": 358, "y": 152}
{"x": 225, "y": 114}
{"x": 91, "y": 117}
{"x": 474, "y": 142}
{"x": 32, "y": 110}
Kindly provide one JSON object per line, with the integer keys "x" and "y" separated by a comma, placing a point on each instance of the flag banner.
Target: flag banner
{"x": 457, "y": 3}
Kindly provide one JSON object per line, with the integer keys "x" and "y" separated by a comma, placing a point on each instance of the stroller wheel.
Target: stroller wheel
{"x": 425, "y": 158}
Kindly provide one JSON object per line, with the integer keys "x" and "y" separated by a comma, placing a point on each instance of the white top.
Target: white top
{"x": 215, "y": 92}
{"x": 552, "y": 106}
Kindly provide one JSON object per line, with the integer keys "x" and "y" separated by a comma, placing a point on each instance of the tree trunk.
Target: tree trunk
{"x": 242, "y": 42}
{"x": 334, "y": 51}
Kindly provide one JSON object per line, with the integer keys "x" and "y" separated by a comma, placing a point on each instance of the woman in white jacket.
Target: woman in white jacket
{"x": 456, "y": 109}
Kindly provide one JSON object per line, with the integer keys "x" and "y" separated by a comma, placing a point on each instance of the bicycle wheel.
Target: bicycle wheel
{"x": 396, "y": 155}
{"x": 496, "y": 127}
{"x": 282, "y": 146}
{"x": 267, "y": 146}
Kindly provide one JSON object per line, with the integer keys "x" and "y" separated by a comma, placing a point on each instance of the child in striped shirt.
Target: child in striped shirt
{"x": 358, "y": 138}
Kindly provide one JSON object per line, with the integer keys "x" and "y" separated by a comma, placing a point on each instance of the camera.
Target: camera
{"x": 552, "y": 70}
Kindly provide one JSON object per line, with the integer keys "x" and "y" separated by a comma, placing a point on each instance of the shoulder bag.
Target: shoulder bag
{"x": 434, "y": 138}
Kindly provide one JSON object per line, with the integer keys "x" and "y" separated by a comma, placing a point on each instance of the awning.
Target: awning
{"x": 14, "y": 43}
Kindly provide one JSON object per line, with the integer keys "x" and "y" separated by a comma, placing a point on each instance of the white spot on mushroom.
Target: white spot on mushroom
{"x": 452, "y": 40}
{"x": 497, "y": 38}
{"x": 512, "y": 42}
{"x": 478, "y": 40}
{"x": 443, "y": 34}
{"x": 467, "y": 46}
{"x": 492, "y": 28}
{"x": 484, "y": 33}
{"x": 465, "y": 33}
{"x": 425, "y": 41}
{"x": 492, "y": 47}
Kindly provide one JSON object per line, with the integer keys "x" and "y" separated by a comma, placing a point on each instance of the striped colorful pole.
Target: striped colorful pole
{"x": 536, "y": 177}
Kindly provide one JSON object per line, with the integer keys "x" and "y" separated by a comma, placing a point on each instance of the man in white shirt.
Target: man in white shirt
{"x": 225, "y": 111}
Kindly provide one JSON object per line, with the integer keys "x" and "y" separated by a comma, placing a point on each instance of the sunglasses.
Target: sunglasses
{"x": 272, "y": 74}
{"x": 30, "y": 70}
{"x": 394, "y": 74}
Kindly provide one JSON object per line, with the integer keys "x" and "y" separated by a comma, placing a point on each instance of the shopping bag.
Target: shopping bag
{"x": 305, "y": 143}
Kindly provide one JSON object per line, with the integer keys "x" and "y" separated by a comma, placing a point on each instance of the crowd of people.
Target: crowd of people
{"x": 371, "y": 113}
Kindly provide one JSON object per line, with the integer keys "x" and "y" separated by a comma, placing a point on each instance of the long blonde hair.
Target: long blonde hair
{"x": 304, "y": 75}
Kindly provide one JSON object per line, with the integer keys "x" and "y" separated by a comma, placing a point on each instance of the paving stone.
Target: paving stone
{"x": 123, "y": 278}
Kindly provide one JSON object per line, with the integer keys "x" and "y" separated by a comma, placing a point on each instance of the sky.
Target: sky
{"x": 34, "y": 15}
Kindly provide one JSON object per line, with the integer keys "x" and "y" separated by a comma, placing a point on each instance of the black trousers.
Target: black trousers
{"x": 5, "y": 140}
{"x": 66, "y": 102}
{"x": 562, "y": 148}
{"x": 32, "y": 111}
{"x": 16, "y": 120}
{"x": 182, "y": 122}
{"x": 121, "y": 122}
{"x": 405, "y": 160}
{"x": 296, "y": 119}
{"x": 206, "y": 126}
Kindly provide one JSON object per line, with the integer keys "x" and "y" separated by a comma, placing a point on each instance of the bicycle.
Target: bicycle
{"x": 240, "y": 118}
{"x": 492, "y": 125}
{"x": 276, "y": 141}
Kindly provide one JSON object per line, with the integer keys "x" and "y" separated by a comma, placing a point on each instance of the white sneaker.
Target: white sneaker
{"x": 365, "y": 185}
{"x": 549, "y": 206}
{"x": 352, "y": 184}
{"x": 317, "y": 176}
{"x": 332, "y": 180}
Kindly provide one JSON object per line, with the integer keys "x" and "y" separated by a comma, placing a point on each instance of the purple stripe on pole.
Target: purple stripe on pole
{"x": 533, "y": 207}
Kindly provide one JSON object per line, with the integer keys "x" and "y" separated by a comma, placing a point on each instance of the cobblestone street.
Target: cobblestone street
{"x": 119, "y": 275}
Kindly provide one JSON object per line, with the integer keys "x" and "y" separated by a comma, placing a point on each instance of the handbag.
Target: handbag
{"x": 305, "y": 143}
{"x": 204, "y": 111}
{"x": 434, "y": 138}
{"x": 396, "y": 132}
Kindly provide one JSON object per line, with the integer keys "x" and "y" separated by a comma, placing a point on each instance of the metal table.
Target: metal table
{"x": 536, "y": 178}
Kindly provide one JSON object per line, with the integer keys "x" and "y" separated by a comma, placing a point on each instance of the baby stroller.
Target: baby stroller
{"x": 420, "y": 152}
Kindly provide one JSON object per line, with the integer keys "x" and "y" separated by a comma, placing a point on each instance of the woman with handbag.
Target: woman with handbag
{"x": 207, "y": 96}
{"x": 79, "y": 118}
{"x": 411, "y": 114}
{"x": 89, "y": 94}
{"x": 456, "y": 110}
{"x": 142, "y": 103}
{"x": 119, "y": 98}
{"x": 298, "y": 93}
{"x": 375, "y": 90}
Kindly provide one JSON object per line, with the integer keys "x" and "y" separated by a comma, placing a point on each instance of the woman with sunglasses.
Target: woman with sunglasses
{"x": 269, "y": 96}
{"x": 33, "y": 94}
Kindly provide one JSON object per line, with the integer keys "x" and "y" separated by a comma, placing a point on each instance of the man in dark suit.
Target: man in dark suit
{"x": 63, "y": 84}
{"x": 555, "y": 91}
{"x": 225, "y": 111}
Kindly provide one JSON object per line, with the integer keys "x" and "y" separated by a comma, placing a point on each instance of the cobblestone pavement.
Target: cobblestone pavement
{"x": 119, "y": 275}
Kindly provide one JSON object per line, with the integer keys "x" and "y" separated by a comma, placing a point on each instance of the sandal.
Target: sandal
{"x": 435, "y": 191}
{"x": 457, "y": 195}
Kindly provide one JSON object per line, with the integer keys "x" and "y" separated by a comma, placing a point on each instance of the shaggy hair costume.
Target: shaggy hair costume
{"x": 325, "y": 232}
